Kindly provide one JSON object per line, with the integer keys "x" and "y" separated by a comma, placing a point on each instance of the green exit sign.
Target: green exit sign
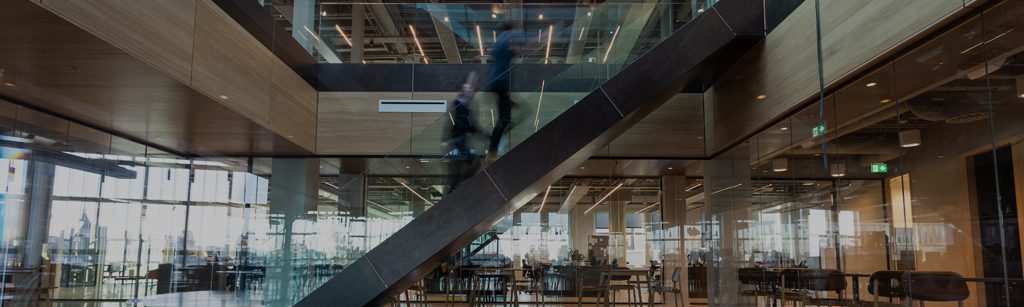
{"x": 818, "y": 130}
{"x": 879, "y": 168}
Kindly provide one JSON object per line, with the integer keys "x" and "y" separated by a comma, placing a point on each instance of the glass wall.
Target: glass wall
{"x": 901, "y": 185}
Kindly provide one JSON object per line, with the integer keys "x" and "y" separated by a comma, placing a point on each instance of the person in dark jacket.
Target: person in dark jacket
{"x": 463, "y": 127}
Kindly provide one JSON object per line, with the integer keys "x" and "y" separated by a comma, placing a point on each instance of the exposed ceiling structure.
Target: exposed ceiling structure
{"x": 455, "y": 31}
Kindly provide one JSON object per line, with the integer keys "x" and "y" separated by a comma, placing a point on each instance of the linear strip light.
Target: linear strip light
{"x": 480, "y": 40}
{"x": 417, "y": 40}
{"x": 536, "y": 116}
{"x": 311, "y": 33}
{"x": 337, "y": 28}
{"x": 648, "y": 207}
{"x": 381, "y": 206}
{"x": 988, "y": 41}
{"x": 612, "y": 43}
{"x": 416, "y": 193}
{"x": 694, "y": 187}
{"x": 544, "y": 200}
{"x": 547, "y": 52}
{"x": 582, "y": 30}
{"x": 603, "y": 198}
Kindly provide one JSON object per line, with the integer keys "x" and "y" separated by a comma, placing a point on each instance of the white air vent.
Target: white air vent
{"x": 414, "y": 106}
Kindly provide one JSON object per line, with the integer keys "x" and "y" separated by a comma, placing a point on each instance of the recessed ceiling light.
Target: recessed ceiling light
{"x": 323, "y": 13}
{"x": 871, "y": 84}
{"x": 887, "y": 100}
{"x": 541, "y": 16}
{"x": 445, "y": 18}
{"x": 761, "y": 97}
{"x": 670, "y": 168}
{"x": 223, "y": 97}
{"x": 589, "y": 13}
{"x": 581, "y": 167}
{"x": 10, "y": 84}
{"x": 494, "y": 16}
{"x": 784, "y": 128}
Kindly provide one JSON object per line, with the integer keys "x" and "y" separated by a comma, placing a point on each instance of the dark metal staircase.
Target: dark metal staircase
{"x": 696, "y": 52}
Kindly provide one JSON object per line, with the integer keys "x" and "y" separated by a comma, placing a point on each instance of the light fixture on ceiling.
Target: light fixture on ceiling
{"x": 583, "y": 167}
{"x": 317, "y": 38}
{"x": 780, "y": 165}
{"x": 223, "y": 97}
{"x": 872, "y": 84}
{"x": 547, "y": 51}
{"x": 544, "y": 200}
{"x": 479, "y": 40}
{"x": 838, "y": 169}
{"x": 323, "y": 13}
{"x": 910, "y": 138}
{"x": 612, "y": 43}
{"x": 599, "y": 201}
{"x": 670, "y": 168}
{"x": 540, "y": 17}
{"x": 886, "y": 100}
{"x": 445, "y": 18}
{"x": 417, "y": 40}
{"x": 784, "y": 128}
{"x": 337, "y": 28}
{"x": 590, "y": 14}
{"x": 8, "y": 78}
{"x": 494, "y": 16}
{"x": 761, "y": 97}
{"x": 416, "y": 193}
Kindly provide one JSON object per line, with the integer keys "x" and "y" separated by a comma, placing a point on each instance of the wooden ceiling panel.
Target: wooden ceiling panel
{"x": 65, "y": 70}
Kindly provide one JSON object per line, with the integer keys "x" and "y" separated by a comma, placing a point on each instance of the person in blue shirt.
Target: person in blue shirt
{"x": 503, "y": 51}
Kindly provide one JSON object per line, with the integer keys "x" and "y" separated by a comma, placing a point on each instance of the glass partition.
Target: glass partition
{"x": 901, "y": 185}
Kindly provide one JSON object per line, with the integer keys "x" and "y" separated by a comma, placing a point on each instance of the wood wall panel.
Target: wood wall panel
{"x": 854, "y": 32}
{"x": 348, "y": 123}
{"x": 230, "y": 62}
{"x": 292, "y": 106}
{"x": 158, "y": 32}
{"x": 675, "y": 129}
{"x": 784, "y": 66}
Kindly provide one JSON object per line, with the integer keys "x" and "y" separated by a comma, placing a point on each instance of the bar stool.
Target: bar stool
{"x": 791, "y": 287}
{"x": 598, "y": 285}
{"x": 824, "y": 280}
{"x": 623, "y": 277}
{"x": 937, "y": 287}
{"x": 889, "y": 284}
{"x": 676, "y": 291}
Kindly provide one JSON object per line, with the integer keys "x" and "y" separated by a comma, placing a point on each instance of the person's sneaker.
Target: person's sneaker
{"x": 491, "y": 156}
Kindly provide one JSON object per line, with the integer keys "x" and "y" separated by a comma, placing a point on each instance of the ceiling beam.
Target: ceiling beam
{"x": 575, "y": 194}
{"x": 386, "y": 23}
{"x": 444, "y": 32}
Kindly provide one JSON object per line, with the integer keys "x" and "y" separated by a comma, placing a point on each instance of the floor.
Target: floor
{"x": 230, "y": 299}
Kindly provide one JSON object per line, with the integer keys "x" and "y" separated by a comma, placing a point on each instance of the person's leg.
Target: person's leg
{"x": 504, "y": 118}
